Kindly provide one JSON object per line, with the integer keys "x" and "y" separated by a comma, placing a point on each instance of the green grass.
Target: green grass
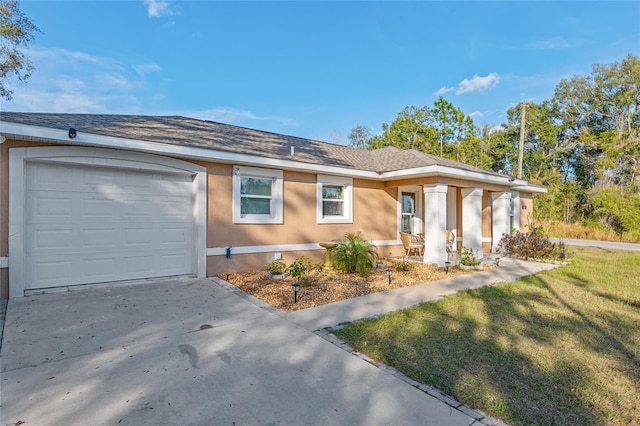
{"x": 558, "y": 348}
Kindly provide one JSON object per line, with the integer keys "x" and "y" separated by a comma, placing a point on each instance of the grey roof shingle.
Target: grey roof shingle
{"x": 184, "y": 131}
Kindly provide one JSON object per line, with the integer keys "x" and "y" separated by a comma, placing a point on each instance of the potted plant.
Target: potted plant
{"x": 276, "y": 269}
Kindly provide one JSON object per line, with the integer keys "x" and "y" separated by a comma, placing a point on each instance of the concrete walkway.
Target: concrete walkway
{"x": 379, "y": 303}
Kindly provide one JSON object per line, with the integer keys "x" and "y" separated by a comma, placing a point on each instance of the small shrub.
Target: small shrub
{"x": 403, "y": 266}
{"x": 534, "y": 245}
{"x": 468, "y": 257}
{"x": 276, "y": 267}
{"x": 300, "y": 268}
{"x": 354, "y": 254}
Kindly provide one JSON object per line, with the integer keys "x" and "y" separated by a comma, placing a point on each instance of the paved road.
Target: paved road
{"x": 602, "y": 244}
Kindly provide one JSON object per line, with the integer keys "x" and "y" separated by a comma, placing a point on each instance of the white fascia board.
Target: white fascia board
{"x": 452, "y": 172}
{"x": 47, "y": 134}
{"x": 530, "y": 188}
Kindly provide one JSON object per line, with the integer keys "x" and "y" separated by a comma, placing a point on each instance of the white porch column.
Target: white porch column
{"x": 472, "y": 220}
{"x": 500, "y": 217}
{"x": 435, "y": 224}
{"x": 515, "y": 196}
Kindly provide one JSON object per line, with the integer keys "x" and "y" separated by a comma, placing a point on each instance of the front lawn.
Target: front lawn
{"x": 562, "y": 347}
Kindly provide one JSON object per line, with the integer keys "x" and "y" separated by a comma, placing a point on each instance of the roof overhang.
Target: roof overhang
{"x": 530, "y": 188}
{"x": 41, "y": 134}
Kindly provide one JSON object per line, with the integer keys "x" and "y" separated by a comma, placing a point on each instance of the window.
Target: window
{"x": 408, "y": 212}
{"x": 257, "y": 195}
{"x": 335, "y": 199}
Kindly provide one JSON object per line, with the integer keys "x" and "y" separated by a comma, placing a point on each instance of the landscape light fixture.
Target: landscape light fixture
{"x": 296, "y": 288}
{"x": 498, "y": 261}
{"x": 446, "y": 266}
{"x": 72, "y": 133}
{"x": 389, "y": 272}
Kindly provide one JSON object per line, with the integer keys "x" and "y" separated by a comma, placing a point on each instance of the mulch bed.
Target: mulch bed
{"x": 328, "y": 287}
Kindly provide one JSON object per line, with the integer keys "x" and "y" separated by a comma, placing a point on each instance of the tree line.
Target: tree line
{"x": 583, "y": 144}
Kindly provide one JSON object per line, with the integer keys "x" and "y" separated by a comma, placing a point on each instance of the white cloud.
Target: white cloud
{"x": 143, "y": 69}
{"x": 497, "y": 128}
{"x": 443, "y": 90}
{"x": 476, "y": 114}
{"x": 477, "y": 83}
{"x": 73, "y": 81}
{"x": 157, "y": 9}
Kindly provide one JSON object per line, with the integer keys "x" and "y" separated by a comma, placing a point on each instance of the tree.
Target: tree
{"x": 16, "y": 32}
{"x": 440, "y": 130}
{"x": 601, "y": 113}
{"x": 360, "y": 137}
{"x": 453, "y": 126}
{"x": 410, "y": 130}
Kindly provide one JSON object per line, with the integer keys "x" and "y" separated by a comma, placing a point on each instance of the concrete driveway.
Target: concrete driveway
{"x": 188, "y": 352}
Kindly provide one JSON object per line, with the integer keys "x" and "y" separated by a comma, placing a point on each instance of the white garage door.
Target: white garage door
{"x": 92, "y": 224}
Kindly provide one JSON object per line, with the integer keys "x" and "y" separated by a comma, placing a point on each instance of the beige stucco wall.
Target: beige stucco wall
{"x": 526, "y": 211}
{"x": 374, "y": 215}
{"x": 374, "y": 208}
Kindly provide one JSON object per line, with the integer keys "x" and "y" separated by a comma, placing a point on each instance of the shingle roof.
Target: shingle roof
{"x": 184, "y": 131}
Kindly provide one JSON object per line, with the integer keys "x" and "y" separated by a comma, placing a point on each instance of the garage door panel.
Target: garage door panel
{"x": 99, "y": 238}
{"x": 136, "y": 238}
{"x": 46, "y": 207}
{"x": 47, "y": 175}
{"x": 53, "y": 238}
{"x": 100, "y": 267}
{"x": 173, "y": 262}
{"x": 90, "y": 225}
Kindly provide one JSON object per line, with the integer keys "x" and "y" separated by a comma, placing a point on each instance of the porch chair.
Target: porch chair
{"x": 412, "y": 243}
{"x": 450, "y": 241}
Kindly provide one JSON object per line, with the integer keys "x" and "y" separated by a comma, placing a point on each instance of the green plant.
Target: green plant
{"x": 354, "y": 254}
{"x": 300, "y": 267}
{"x": 468, "y": 257}
{"x": 403, "y": 266}
{"x": 276, "y": 267}
{"x": 533, "y": 244}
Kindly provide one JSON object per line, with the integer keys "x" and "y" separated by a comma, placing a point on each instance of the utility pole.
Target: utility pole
{"x": 521, "y": 144}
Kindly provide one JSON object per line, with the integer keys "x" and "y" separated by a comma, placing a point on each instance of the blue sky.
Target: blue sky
{"x": 313, "y": 69}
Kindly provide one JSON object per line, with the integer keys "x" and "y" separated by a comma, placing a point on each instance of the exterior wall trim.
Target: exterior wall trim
{"x": 220, "y": 251}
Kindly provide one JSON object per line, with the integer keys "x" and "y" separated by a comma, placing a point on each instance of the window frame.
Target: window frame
{"x": 276, "y": 205}
{"x": 347, "y": 213}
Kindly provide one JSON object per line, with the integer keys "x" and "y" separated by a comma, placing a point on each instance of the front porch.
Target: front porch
{"x": 477, "y": 216}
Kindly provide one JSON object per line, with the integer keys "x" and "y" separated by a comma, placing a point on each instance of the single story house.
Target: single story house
{"x": 92, "y": 198}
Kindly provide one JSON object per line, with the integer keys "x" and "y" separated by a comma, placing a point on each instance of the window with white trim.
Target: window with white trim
{"x": 257, "y": 195}
{"x": 334, "y": 197}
